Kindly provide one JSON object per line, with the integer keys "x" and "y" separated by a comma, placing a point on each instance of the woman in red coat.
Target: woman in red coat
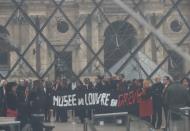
{"x": 145, "y": 105}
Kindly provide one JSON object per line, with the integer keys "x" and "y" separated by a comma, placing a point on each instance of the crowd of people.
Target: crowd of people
{"x": 27, "y": 97}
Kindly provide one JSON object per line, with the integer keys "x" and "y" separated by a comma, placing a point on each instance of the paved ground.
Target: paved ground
{"x": 72, "y": 126}
{"x": 68, "y": 127}
{"x": 179, "y": 125}
{"x": 182, "y": 124}
{"x": 135, "y": 125}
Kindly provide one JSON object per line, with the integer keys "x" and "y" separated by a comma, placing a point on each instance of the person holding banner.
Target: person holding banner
{"x": 61, "y": 111}
{"x": 88, "y": 86}
{"x": 47, "y": 90}
{"x": 99, "y": 83}
{"x": 121, "y": 83}
{"x": 80, "y": 112}
{"x": 55, "y": 88}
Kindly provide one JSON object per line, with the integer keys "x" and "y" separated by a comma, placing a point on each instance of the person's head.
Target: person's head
{"x": 22, "y": 83}
{"x": 185, "y": 82}
{"x": 121, "y": 76}
{"x": 135, "y": 82}
{"x": 146, "y": 84}
{"x": 26, "y": 82}
{"x": 158, "y": 79}
{"x": 140, "y": 83}
{"x": 106, "y": 80}
{"x": 166, "y": 80}
{"x": 47, "y": 84}
{"x": 86, "y": 80}
{"x": 14, "y": 87}
{"x": 37, "y": 84}
{"x": 79, "y": 83}
{"x": 3, "y": 83}
{"x": 99, "y": 78}
{"x": 114, "y": 77}
{"x": 177, "y": 76}
{"x": 63, "y": 83}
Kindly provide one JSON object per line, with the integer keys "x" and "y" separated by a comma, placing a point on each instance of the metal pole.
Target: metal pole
{"x": 85, "y": 124}
{"x": 110, "y": 114}
{"x": 127, "y": 122}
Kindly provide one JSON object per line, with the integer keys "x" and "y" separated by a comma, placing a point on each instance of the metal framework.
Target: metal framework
{"x": 97, "y": 7}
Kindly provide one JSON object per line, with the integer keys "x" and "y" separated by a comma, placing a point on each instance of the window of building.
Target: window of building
{"x": 4, "y": 58}
{"x": 120, "y": 38}
{"x": 176, "y": 26}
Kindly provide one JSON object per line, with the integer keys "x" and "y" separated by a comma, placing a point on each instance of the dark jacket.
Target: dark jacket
{"x": 176, "y": 95}
{"x": 37, "y": 101}
{"x": 48, "y": 94}
{"x": 3, "y": 102}
{"x": 12, "y": 101}
{"x": 156, "y": 93}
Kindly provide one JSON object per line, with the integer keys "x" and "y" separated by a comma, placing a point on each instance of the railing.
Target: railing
{"x": 9, "y": 123}
{"x": 121, "y": 121}
{"x": 178, "y": 119}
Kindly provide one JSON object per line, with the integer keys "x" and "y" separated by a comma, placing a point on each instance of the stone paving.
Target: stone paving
{"x": 72, "y": 126}
{"x": 179, "y": 125}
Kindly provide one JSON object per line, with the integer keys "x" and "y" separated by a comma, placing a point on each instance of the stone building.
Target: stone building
{"x": 54, "y": 43}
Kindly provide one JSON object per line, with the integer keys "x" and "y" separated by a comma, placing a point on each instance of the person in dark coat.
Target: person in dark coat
{"x": 177, "y": 95}
{"x": 3, "y": 102}
{"x": 166, "y": 82}
{"x": 121, "y": 84}
{"x": 80, "y": 112}
{"x": 156, "y": 93}
{"x": 3, "y": 98}
{"x": 37, "y": 105}
{"x": 12, "y": 100}
{"x": 60, "y": 88}
{"x": 63, "y": 112}
{"x": 37, "y": 98}
{"x": 99, "y": 83}
{"x": 48, "y": 99}
{"x": 88, "y": 87}
{"x": 88, "y": 84}
{"x": 24, "y": 115}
